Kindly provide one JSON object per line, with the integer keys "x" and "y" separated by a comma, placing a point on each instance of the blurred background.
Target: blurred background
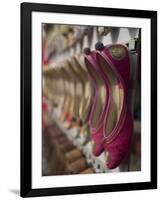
{"x": 66, "y": 94}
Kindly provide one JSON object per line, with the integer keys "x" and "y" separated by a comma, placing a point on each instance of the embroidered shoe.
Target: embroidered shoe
{"x": 118, "y": 125}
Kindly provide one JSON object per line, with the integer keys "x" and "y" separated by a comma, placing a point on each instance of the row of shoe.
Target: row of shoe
{"x": 68, "y": 87}
{"x": 94, "y": 98}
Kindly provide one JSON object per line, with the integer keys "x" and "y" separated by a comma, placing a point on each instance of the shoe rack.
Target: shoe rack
{"x": 78, "y": 155}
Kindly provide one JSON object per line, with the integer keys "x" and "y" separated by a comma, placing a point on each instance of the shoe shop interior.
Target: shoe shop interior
{"x": 91, "y": 99}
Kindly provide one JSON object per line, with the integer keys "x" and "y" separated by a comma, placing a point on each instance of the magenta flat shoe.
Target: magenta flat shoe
{"x": 118, "y": 123}
{"x": 96, "y": 122}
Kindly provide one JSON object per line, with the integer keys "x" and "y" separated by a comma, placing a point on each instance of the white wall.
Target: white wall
{"x": 9, "y": 101}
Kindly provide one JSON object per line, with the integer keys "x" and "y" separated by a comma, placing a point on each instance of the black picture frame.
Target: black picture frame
{"x": 26, "y": 95}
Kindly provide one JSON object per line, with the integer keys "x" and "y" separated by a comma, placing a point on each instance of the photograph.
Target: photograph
{"x": 91, "y": 121}
{"x": 88, "y": 99}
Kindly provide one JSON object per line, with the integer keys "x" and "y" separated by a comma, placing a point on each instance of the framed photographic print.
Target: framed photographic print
{"x": 88, "y": 99}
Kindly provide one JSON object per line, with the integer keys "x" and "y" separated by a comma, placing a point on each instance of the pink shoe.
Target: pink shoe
{"x": 118, "y": 124}
{"x": 96, "y": 118}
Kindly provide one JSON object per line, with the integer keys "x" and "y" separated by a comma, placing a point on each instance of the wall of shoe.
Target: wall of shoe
{"x": 91, "y": 99}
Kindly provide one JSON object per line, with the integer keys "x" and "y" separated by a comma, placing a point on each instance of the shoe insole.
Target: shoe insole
{"x": 99, "y": 98}
{"x": 79, "y": 84}
{"x": 78, "y": 97}
{"x": 85, "y": 92}
{"x": 48, "y": 80}
{"x": 49, "y": 90}
{"x": 68, "y": 98}
{"x": 78, "y": 89}
{"x": 116, "y": 98}
{"x": 86, "y": 103}
{"x": 61, "y": 89}
{"x": 66, "y": 79}
{"x": 69, "y": 101}
{"x": 66, "y": 93}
